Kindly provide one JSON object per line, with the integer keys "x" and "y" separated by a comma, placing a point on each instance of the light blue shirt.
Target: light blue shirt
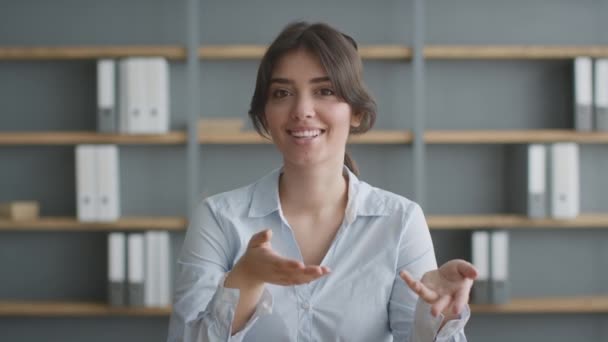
{"x": 362, "y": 299}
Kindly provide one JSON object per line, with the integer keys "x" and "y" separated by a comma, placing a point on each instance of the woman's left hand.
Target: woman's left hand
{"x": 446, "y": 288}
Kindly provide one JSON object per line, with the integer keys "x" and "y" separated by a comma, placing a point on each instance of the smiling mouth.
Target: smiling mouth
{"x": 306, "y": 134}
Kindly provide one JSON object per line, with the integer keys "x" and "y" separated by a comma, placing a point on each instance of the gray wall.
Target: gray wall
{"x": 465, "y": 179}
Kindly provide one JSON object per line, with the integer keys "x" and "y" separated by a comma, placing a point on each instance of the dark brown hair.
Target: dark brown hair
{"x": 338, "y": 55}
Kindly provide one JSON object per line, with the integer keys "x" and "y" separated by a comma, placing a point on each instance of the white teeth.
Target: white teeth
{"x": 306, "y": 134}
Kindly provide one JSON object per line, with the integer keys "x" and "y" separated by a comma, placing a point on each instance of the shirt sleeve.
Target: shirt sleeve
{"x": 410, "y": 317}
{"x": 203, "y": 309}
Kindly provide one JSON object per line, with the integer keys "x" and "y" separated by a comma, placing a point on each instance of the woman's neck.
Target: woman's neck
{"x": 314, "y": 190}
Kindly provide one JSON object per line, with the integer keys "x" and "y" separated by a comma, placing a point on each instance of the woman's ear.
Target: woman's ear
{"x": 355, "y": 119}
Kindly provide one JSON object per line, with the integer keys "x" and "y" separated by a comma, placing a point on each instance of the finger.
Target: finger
{"x": 467, "y": 270}
{"x": 460, "y": 300}
{"x": 409, "y": 280}
{"x": 421, "y": 290}
{"x": 284, "y": 265}
{"x": 260, "y": 238}
{"x": 440, "y": 305}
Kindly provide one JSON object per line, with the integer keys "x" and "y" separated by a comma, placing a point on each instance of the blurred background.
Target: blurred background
{"x": 465, "y": 90}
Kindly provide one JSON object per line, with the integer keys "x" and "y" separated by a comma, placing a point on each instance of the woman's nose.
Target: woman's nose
{"x": 303, "y": 108}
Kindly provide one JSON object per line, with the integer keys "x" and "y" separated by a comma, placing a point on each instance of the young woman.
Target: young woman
{"x": 310, "y": 252}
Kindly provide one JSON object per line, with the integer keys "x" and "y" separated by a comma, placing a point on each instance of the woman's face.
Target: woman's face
{"x": 308, "y": 123}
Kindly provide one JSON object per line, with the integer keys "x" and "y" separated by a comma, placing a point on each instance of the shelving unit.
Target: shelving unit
{"x": 420, "y": 140}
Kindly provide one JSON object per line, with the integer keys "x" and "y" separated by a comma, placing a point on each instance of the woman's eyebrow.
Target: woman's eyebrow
{"x": 281, "y": 80}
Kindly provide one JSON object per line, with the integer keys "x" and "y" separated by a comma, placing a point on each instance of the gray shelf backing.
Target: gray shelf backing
{"x": 544, "y": 22}
{"x": 140, "y": 22}
{"x": 368, "y": 22}
{"x": 474, "y": 95}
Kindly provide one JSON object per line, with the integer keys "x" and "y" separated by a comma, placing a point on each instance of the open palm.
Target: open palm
{"x": 446, "y": 288}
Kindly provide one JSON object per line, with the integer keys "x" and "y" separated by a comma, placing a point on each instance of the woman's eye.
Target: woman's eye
{"x": 326, "y": 92}
{"x": 280, "y": 93}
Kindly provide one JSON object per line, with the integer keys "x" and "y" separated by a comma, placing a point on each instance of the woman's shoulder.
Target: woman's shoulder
{"x": 392, "y": 203}
{"x": 239, "y": 199}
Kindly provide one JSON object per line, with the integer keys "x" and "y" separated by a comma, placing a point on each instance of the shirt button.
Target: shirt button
{"x": 305, "y": 305}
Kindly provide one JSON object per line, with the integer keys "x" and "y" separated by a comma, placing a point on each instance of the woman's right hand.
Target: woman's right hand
{"x": 260, "y": 264}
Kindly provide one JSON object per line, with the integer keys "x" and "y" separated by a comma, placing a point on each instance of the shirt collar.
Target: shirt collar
{"x": 363, "y": 199}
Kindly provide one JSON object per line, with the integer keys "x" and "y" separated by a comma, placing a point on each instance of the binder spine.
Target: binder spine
{"x": 86, "y": 183}
{"x": 480, "y": 293}
{"x": 117, "y": 295}
{"x": 601, "y": 94}
{"x": 537, "y": 194}
{"x": 565, "y": 180}
{"x": 157, "y": 95}
{"x": 109, "y": 185}
{"x": 499, "y": 267}
{"x": 165, "y": 269}
{"x": 107, "y": 114}
{"x": 136, "y": 269}
{"x": 583, "y": 85}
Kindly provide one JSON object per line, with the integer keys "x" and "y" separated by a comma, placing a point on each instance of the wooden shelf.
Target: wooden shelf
{"x": 385, "y": 52}
{"x": 394, "y": 52}
{"x": 460, "y": 222}
{"x": 248, "y": 51}
{"x": 513, "y": 136}
{"x": 72, "y": 224}
{"x": 74, "y": 309}
{"x": 252, "y": 137}
{"x": 513, "y": 51}
{"x": 175, "y": 138}
{"x": 74, "y": 138}
{"x": 557, "y": 305}
{"x": 88, "y": 52}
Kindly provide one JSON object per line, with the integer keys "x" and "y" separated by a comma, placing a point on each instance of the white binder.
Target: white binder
{"x": 117, "y": 273}
{"x": 601, "y": 94}
{"x": 151, "y": 284}
{"x": 500, "y": 267}
{"x": 480, "y": 241}
{"x": 565, "y": 181}
{"x": 86, "y": 183}
{"x": 537, "y": 170}
{"x": 157, "y": 95}
{"x": 133, "y": 96}
{"x": 107, "y": 114}
{"x": 583, "y": 105}
{"x": 136, "y": 269}
{"x": 108, "y": 183}
{"x": 164, "y": 268}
